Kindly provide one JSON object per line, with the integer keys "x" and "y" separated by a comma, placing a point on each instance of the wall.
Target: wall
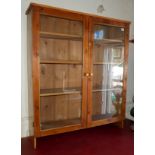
{"x": 121, "y": 9}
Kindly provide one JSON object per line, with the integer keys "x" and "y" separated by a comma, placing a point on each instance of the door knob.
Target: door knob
{"x": 91, "y": 74}
{"x": 86, "y": 74}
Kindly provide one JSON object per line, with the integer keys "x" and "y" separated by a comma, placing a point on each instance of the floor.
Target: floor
{"x": 102, "y": 140}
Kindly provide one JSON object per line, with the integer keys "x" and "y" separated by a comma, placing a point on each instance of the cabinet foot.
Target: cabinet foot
{"x": 120, "y": 124}
{"x": 34, "y": 142}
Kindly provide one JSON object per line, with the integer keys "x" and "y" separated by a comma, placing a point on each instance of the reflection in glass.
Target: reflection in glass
{"x": 106, "y": 104}
{"x": 108, "y": 55}
{"x": 108, "y": 32}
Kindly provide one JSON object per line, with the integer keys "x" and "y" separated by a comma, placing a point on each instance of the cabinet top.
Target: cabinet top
{"x": 41, "y": 7}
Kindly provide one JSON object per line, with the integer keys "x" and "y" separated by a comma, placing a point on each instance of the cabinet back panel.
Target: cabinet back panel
{"x": 58, "y": 49}
{"x": 60, "y": 76}
{"x": 58, "y": 108}
{"x": 105, "y": 104}
{"x": 98, "y": 53}
{"x": 59, "y": 25}
{"x": 98, "y": 76}
{"x": 96, "y": 103}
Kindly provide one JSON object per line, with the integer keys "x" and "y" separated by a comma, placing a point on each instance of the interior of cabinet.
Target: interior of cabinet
{"x": 112, "y": 33}
{"x": 108, "y": 57}
{"x": 61, "y": 26}
{"x": 61, "y": 67}
{"x": 60, "y": 51}
{"x": 60, "y": 110}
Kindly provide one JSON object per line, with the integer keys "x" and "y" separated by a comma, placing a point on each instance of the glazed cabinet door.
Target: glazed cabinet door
{"x": 106, "y": 81}
{"x": 61, "y": 57}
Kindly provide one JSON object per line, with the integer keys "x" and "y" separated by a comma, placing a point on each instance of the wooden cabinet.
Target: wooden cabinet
{"x": 77, "y": 69}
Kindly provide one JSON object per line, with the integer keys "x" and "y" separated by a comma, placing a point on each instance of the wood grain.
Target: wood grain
{"x": 61, "y": 62}
{"x": 60, "y": 108}
{"x": 60, "y": 26}
{"x": 59, "y": 35}
{"x": 60, "y": 50}
{"x": 35, "y": 70}
{"x": 106, "y": 121}
{"x": 90, "y": 70}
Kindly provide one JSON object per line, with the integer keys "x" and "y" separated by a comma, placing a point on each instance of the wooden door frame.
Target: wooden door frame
{"x": 36, "y": 70}
{"x": 125, "y": 25}
{"x": 36, "y": 12}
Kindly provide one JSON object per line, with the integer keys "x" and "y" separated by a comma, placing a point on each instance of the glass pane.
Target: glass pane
{"x": 60, "y": 40}
{"x": 61, "y": 67}
{"x": 108, "y": 60}
{"x": 103, "y": 54}
{"x": 106, "y": 104}
{"x": 108, "y": 32}
{"x": 60, "y": 111}
{"x": 108, "y": 76}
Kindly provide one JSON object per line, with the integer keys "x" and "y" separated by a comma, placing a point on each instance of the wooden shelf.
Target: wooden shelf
{"x": 59, "y": 91}
{"x": 101, "y": 90}
{"x": 60, "y": 62}
{"x": 102, "y": 116}
{"x": 106, "y": 41}
{"x": 59, "y": 35}
{"x": 117, "y": 80}
{"x": 60, "y": 123}
{"x": 107, "y": 63}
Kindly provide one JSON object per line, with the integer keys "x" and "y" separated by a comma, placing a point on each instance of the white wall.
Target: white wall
{"x": 121, "y": 9}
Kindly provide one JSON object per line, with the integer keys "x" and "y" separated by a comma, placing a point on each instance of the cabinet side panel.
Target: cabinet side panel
{"x": 36, "y": 70}
{"x": 29, "y": 70}
{"x": 125, "y": 69}
{"x": 33, "y": 69}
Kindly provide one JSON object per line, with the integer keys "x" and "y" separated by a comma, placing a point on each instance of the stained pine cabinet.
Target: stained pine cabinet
{"x": 77, "y": 65}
